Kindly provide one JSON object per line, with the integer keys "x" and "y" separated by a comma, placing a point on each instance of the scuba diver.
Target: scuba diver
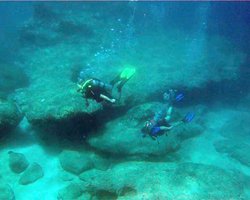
{"x": 161, "y": 120}
{"x": 102, "y": 92}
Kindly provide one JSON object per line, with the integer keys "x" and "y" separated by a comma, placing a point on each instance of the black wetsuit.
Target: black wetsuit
{"x": 95, "y": 88}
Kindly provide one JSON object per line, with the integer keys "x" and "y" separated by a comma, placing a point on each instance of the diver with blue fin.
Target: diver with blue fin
{"x": 160, "y": 123}
{"x": 102, "y": 92}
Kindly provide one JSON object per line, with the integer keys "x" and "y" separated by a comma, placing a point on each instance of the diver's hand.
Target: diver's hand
{"x": 112, "y": 100}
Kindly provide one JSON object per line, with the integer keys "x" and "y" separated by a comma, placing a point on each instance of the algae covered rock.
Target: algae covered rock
{"x": 75, "y": 162}
{"x": 9, "y": 116}
{"x": 6, "y": 193}
{"x": 17, "y": 162}
{"x": 123, "y": 135}
{"x": 11, "y": 78}
{"x": 57, "y": 110}
{"x": 145, "y": 180}
{"x": 234, "y": 149}
{"x": 31, "y": 175}
{"x": 73, "y": 191}
{"x": 50, "y": 103}
{"x": 236, "y": 132}
{"x": 65, "y": 176}
{"x": 236, "y": 125}
{"x": 51, "y": 98}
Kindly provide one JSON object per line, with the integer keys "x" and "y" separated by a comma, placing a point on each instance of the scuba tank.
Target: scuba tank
{"x": 101, "y": 84}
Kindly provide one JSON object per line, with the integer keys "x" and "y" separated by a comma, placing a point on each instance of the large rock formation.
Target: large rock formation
{"x": 32, "y": 174}
{"x": 9, "y": 116}
{"x": 235, "y": 149}
{"x": 236, "y": 133}
{"x": 52, "y": 97}
{"x": 11, "y": 78}
{"x": 17, "y": 162}
{"x": 77, "y": 162}
{"x": 73, "y": 191}
{"x": 145, "y": 180}
{"x": 123, "y": 136}
{"x": 53, "y": 103}
{"x": 100, "y": 47}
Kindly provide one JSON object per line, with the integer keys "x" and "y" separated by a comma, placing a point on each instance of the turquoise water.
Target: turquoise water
{"x": 55, "y": 146}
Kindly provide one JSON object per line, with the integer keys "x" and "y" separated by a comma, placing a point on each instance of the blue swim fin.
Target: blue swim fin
{"x": 179, "y": 97}
{"x": 188, "y": 117}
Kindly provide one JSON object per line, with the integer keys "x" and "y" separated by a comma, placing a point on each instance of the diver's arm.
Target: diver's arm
{"x": 107, "y": 98}
{"x": 167, "y": 128}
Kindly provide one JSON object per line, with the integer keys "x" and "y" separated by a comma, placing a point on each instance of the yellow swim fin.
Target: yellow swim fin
{"x": 128, "y": 72}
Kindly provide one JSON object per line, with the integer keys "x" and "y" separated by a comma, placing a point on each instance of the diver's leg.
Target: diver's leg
{"x": 166, "y": 128}
{"x": 119, "y": 87}
{"x": 115, "y": 80}
{"x": 169, "y": 113}
{"x": 104, "y": 97}
{"x": 177, "y": 123}
{"x": 121, "y": 84}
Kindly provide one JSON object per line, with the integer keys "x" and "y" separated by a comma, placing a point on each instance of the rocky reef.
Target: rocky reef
{"x": 31, "y": 175}
{"x": 39, "y": 107}
{"x": 17, "y": 162}
{"x": 10, "y": 116}
{"x": 235, "y": 134}
{"x": 139, "y": 180}
{"x": 11, "y": 77}
{"x": 67, "y": 150}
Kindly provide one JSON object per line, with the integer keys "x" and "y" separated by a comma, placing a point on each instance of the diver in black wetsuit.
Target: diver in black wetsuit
{"x": 102, "y": 92}
{"x": 97, "y": 90}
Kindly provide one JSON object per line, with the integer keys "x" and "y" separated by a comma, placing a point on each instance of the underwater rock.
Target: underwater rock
{"x": 65, "y": 176}
{"x": 51, "y": 101}
{"x": 236, "y": 125}
{"x": 63, "y": 111}
{"x": 235, "y": 149}
{"x": 9, "y": 116}
{"x": 235, "y": 130}
{"x": 123, "y": 135}
{"x": 6, "y": 193}
{"x": 72, "y": 191}
{"x": 31, "y": 175}
{"x": 101, "y": 162}
{"x": 50, "y": 26}
{"x": 56, "y": 53}
{"x": 75, "y": 162}
{"x": 11, "y": 78}
{"x": 146, "y": 180}
{"x": 17, "y": 162}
